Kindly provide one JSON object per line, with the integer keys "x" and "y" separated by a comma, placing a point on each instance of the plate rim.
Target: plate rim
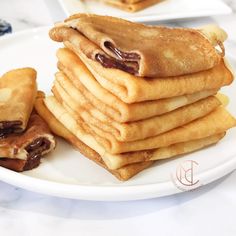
{"x": 135, "y": 192}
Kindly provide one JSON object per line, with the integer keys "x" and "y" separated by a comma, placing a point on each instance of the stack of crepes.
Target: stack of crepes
{"x": 127, "y": 94}
{"x": 130, "y": 5}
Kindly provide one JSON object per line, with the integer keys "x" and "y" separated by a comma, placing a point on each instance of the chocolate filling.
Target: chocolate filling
{"x": 9, "y": 127}
{"x": 114, "y": 63}
{"x": 131, "y": 56}
{"x": 126, "y": 62}
{"x": 35, "y": 150}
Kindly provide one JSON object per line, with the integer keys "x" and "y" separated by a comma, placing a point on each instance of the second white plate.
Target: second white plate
{"x": 166, "y": 10}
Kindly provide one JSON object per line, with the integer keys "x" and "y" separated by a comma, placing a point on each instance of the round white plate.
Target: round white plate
{"x": 66, "y": 173}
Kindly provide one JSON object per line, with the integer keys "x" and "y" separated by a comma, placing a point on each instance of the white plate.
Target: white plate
{"x": 166, "y": 10}
{"x": 66, "y": 173}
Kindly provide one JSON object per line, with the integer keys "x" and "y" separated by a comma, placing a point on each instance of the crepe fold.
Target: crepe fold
{"x": 22, "y": 152}
{"x": 131, "y": 89}
{"x": 17, "y": 95}
{"x": 119, "y": 160}
{"x": 134, "y": 130}
{"x": 123, "y": 166}
{"x": 216, "y": 122}
{"x": 131, "y": 6}
{"x": 141, "y": 50}
{"x": 94, "y": 94}
{"x": 122, "y": 173}
{"x": 200, "y": 128}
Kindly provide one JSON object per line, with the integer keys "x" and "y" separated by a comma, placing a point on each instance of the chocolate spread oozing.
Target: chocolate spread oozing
{"x": 114, "y": 63}
{"x": 9, "y": 127}
{"x": 126, "y": 62}
{"x": 35, "y": 150}
{"x": 131, "y": 56}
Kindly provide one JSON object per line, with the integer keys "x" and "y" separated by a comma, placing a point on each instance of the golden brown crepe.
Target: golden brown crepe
{"x": 113, "y": 107}
{"x": 223, "y": 99}
{"x": 216, "y": 122}
{"x": 131, "y": 89}
{"x": 22, "y": 152}
{"x": 141, "y": 50}
{"x": 17, "y": 94}
{"x": 139, "y": 129}
{"x": 123, "y": 173}
{"x": 131, "y": 6}
{"x": 203, "y": 127}
{"x": 119, "y": 160}
{"x": 120, "y": 165}
{"x": 128, "y": 1}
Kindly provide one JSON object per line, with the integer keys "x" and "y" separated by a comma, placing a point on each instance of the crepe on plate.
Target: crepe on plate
{"x": 138, "y": 49}
{"x": 208, "y": 126}
{"x": 119, "y": 165}
{"x": 123, "y": 173}
{"x": 135, "y": 130}
{"x": 119, "y": 160}
{"x": 17, "y": 94}
{"x": 131, "y": 6}
{"x": 94, "y": 94}
{"x": 22, "y": 152}
{"x": 181, "y": 134}
{"x": 216, "y": 122}
{"x": 131, "y": 89}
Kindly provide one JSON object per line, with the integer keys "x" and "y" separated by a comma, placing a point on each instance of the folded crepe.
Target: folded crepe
{"x": 17, "y": 94}
{"x": 131, "y": 89}
{"x": 223, "y": 99}
{"x": 120, "y": 165}
{"x": 141, "y": 50}
{"x": 123, "y": 173}
{"x": 203, "y": 127}
{"x": 94, "y": 94}
{"x": 24, "y": 151}
{"x": 139, "y": 129}
{"x": 131, "y": 6}
{"x": 126, "y": 1}
{"x": 216, "y": 122}
{"x": 119, "y": 160}
{"x": 116, "y": 161}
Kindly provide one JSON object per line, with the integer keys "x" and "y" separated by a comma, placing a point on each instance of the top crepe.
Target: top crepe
{"x": 145, "y": 51}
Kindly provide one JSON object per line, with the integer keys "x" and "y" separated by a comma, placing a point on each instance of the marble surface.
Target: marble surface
{"x": 206, "y": 211}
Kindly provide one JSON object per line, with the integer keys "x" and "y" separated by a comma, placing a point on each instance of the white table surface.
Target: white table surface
{"x": 210, "y": 210}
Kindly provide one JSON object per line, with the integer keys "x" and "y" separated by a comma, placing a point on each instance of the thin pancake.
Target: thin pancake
{"x": 132, "y": 89}
{"x": 21, "y": 152}
{"x": 216, "y": 122}
{"x": 89, "y": 92}
{"x": 119, "y": 160}
{"x": 17, "y": 94}
{"x": 132, "y": 6}
{"x": 123, "y": 174}
{"x": 146, "y": 51}
{"x": 115, "y": 162}
{"x": 140, "y": 129}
